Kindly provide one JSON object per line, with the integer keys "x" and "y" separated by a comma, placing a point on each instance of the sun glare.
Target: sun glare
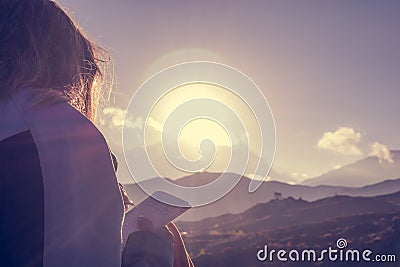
{"x": 193, "y": 132}
{"x": 196, "y": 131}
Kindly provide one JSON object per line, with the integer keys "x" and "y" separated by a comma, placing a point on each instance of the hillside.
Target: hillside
{"x": 233, "y": 240}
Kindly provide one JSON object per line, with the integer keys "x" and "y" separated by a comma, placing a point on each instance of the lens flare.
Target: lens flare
{"x": 222, "y": 95}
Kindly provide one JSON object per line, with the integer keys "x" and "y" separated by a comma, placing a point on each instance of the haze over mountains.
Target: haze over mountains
{"x": 222, "y": 156}
{"x": 367, "y": 177}
{"x": 239, "y": 199}
{"x": 367, "y": 171}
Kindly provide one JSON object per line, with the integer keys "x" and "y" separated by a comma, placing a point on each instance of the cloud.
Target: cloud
{"x": 343, "y": 141}
{"x": 337, "y": 167}
{"x": 138, "y": 123}
{"x": 257, "y": 177}
{"x": 381, "y": 152}
{"x": 298, "y": 177}
{"x": 116, "y": 117}
{"x": 154, "y": 124}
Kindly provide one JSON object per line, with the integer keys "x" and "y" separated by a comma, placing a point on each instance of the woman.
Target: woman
{"x": 60, "y": 203}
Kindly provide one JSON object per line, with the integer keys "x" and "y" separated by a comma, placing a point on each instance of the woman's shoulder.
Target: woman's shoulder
{"x": 41, "y": 115}
{"x": 52, "y": 124}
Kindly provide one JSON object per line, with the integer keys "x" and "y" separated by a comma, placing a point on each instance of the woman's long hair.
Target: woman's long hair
{"x": 42, "y": 48}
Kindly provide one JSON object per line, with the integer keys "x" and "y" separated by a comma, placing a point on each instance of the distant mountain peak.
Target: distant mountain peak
{"x": 370, "y": 170}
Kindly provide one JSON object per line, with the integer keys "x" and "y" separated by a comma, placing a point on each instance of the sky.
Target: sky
{"x": 330, "y": 70}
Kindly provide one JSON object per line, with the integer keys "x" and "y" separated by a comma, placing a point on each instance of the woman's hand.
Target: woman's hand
{"x": 170, "y": 233}
{"x": 145, "y": 224}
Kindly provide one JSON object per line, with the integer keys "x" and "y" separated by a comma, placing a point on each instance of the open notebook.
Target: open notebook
{"x": 159, "y": 213}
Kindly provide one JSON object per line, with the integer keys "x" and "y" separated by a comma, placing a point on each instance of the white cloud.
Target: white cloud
{"x": 116, "y": 117}
{"x": 337, "y": 167}
{"x": 382, "y": 152}
{"x": 343, "y": 141}
{"x": 298, "y": 177}
{"x": 138, "y": 123}
{"x": 154, "y": 124}
{"x": 257, "y": 177}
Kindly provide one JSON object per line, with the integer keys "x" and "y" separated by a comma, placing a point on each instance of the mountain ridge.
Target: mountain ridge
{"x": 234, "y": 239}
{"x": 370, "y": 170}
{"x": 239, "y": 199}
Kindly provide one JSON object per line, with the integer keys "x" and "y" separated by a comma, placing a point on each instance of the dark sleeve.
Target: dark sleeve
{"x": 21, "y": 203}
{"x": 147, "y": 249}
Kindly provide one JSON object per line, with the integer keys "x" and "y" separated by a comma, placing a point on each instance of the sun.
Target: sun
{"x": 198, "y": 130}
{"x": 193, "y": 132}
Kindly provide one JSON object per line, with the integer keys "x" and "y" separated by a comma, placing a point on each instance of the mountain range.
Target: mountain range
{"x": 358, "y": 202}
{"x": 239, "y": 199}
{"x": 366, "y": 177}
{"x": 233, "y": 239}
